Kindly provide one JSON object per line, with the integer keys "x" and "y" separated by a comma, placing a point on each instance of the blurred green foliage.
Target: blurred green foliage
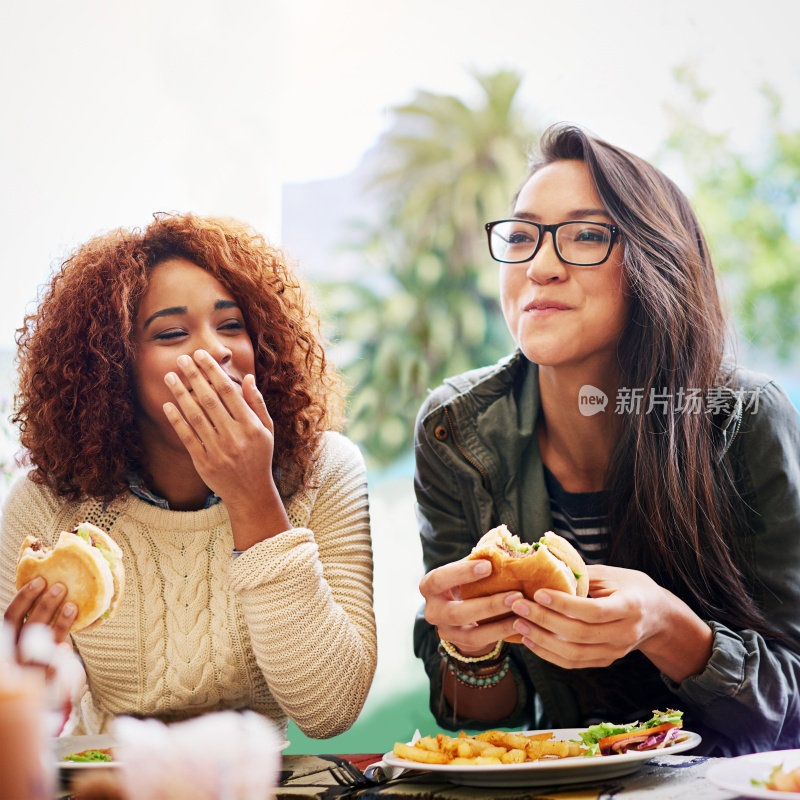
{"x": 749, "y": 208}
{"x": 427, "y": 305}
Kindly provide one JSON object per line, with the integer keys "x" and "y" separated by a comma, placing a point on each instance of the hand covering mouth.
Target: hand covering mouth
{"x": 230, "y": 377}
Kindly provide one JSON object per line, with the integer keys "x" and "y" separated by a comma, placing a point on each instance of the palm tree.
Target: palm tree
{"x": 427, "y": 306}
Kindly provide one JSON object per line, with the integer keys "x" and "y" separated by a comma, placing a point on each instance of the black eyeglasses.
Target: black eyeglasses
{"x": 577, "y": 242}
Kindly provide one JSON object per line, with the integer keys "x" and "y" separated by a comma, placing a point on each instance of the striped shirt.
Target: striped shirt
{"x": 581, "y": 518}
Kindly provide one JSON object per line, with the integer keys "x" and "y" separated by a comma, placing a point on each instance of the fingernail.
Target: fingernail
{"x": 543, "y": 598}
{"x": 69, "y": 610}
{"x": 184, "y": 361}
{"x": 57, "y": 589}
{"x": 522, "y": 627}
{"x": 201, "y": 354}
{"x": 521, "y": 608}
{"x": 529, "y": 644}
{"x": 511, "y": 599}
{"x": 37, "y": 584}
{"x": 482, "y": 568}
{"x": 171, "y": 379}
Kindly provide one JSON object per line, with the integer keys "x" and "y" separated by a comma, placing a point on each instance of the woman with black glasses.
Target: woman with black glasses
{"x": 619, "y": 423}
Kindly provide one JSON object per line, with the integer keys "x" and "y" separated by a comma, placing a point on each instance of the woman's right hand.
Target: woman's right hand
{"x": 36, "y": 602}
{"x": 464, "y": 622}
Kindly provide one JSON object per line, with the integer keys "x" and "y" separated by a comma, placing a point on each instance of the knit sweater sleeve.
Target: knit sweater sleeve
{"x": 306, "y": 595}
{"x": 28, "y": 511}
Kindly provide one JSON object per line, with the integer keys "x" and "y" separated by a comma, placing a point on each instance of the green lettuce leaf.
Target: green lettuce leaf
{"x": 594, "y": 733}
{"x": 88, "y": 755}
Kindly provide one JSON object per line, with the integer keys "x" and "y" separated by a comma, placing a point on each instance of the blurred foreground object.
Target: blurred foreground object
{"x": 62, "y": 670}
{"x": 228, "y": 755}
{"x": 25, "y": 763}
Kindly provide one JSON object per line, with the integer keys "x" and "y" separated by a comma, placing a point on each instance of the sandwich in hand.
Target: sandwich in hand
{"x": 550, "y": 563}
{"x": 89, "y": 564}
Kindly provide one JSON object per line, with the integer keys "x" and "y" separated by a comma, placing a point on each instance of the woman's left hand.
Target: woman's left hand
{"x": 227, "y": 430}
{"x": 627, "y": 610}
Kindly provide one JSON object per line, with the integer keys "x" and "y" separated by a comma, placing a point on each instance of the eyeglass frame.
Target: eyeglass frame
{"x": 543, "y": 229}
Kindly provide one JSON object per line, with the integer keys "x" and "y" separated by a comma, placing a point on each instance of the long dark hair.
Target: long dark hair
{"x": 671, "y": 499}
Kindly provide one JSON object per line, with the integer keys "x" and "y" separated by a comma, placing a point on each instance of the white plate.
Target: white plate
{"x": 65, "y": 745}
{"x": 578, "y": 769}
{"x": 736, "y": 774}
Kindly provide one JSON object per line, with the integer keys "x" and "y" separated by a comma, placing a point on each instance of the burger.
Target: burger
{"x": 89, "y": 564}
{"x": 550, "y": 563}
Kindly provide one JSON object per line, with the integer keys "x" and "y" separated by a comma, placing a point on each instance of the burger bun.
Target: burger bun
{"x": 94, "y": 581}
{"x": 550, "y": 563}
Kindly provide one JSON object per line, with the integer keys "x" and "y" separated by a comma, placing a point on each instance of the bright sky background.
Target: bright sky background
{"x": 113, "y": 110}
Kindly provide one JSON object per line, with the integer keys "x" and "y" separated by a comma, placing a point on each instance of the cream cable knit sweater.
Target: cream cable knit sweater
{"x": 287, "y": 628}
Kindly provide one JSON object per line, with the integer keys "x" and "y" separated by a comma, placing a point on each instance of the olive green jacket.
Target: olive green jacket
{"x": 478, "y": 464}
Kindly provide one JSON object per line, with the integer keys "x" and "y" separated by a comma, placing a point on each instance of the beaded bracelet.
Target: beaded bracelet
{"x": 452, "y": 651}
{"x": 480, "y": 681}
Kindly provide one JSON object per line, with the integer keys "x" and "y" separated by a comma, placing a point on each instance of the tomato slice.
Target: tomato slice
{"x": 608, "y": 741}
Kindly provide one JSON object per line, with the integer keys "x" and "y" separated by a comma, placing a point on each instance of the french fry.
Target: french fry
{"x": 510, "y": 741}
{"x": 447, "y": 744}
{"x": 466, "y": 749}
{"x": 428, "y": 743}
{"x": 477, "y": 760}
{"x": 539, "y": 737}
{"x": 489, "y": 747}
{"x": 514, "y": 756}
{"x": 469, "y": 747}
{"x": 552, "y": 749}
{"x": 482, "y": 746}
{"x": 493, "y": 751}
{"x": 420, "y": 754}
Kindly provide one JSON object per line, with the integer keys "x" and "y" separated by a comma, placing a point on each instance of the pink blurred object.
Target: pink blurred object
{"x": 228, "y": 755}
{"x": 25, "y": 767}
{"x": 65, "y": 679}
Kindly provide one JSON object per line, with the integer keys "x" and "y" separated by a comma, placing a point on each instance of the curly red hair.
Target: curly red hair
{"x": 76, "y": 403}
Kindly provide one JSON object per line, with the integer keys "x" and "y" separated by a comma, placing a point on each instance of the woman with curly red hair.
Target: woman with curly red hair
{"x": 174, "y": 390}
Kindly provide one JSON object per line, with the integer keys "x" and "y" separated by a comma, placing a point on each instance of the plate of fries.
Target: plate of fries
{"x": 527, "y": 758}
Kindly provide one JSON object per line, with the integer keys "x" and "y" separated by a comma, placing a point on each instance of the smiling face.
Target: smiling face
{"x": 560, "y": 314}
{"x": 184, "y": 309}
